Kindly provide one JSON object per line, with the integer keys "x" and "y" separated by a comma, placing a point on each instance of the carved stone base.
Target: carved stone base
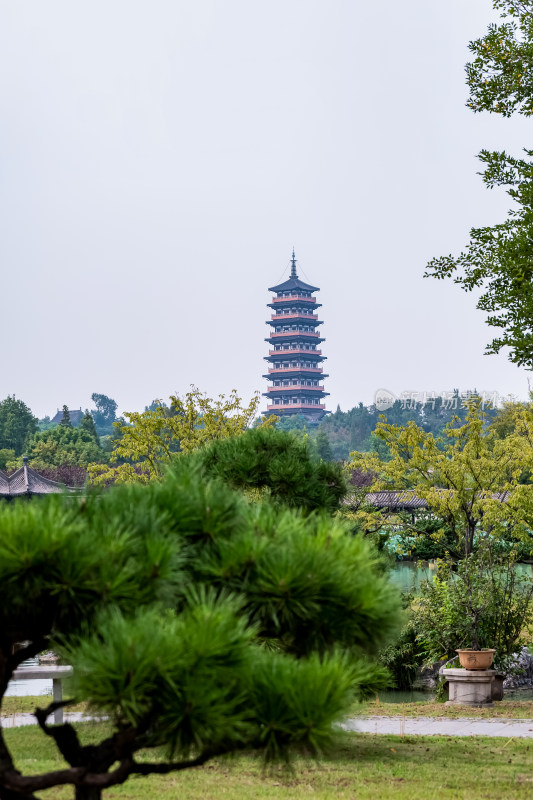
{"x": 470, "y": 687}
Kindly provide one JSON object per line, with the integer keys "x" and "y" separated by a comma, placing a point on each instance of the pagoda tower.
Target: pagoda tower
{"x": 295, "y": 362}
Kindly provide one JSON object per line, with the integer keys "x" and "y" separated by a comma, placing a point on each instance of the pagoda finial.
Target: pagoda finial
{"x": 293, "y": 265}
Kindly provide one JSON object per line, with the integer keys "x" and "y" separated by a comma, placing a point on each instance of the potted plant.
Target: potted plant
{"x": 475, "y": 604}
{"x": 476, "y": 659}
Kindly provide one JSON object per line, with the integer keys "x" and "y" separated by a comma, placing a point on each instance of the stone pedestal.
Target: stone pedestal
{"x": 497, "y": 686}
{"x": 470, "y": 687}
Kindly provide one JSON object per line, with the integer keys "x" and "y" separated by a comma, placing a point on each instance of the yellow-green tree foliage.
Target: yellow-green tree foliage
{"x": 461, "y": 474}
{"x": 152, "y": 437}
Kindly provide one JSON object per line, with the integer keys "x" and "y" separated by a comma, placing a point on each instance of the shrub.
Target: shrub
{"x": 481, "y": 602}
{"x": 403, "y": 658}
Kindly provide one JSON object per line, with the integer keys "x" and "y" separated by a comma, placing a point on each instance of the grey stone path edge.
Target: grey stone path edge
{"x": 439, "y": 726}
{"x": 19, "y": 720}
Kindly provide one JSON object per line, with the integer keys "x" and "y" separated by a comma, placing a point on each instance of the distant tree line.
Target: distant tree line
{"x": 137, "y": 446}
{"x": 60, "y": 451}
{"x": 344, "y": 432}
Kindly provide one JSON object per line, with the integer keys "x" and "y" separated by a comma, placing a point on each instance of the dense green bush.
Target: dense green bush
{"x": 403, "y": 658}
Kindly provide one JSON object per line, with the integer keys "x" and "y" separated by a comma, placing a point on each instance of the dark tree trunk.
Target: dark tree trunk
{"x": 88, "y": 793}
{"x": 6, "y": 794}
{"x": 469, "y": 539}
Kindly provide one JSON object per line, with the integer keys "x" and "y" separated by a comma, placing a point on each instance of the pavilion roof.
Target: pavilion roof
{"x": 389, "y": 499}
{"x": 407, "y": 499}
{"x": 26, "y": 481}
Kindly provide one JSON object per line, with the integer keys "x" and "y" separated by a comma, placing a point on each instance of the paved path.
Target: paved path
{"x": 398, "y": 726}
{"x": 18, "y": 720}
{"x": 441, "y": 726}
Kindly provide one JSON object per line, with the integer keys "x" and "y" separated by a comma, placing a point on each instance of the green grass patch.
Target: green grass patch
{"x": 360, "y": 766}
{"x": 27, "y": 705}
{"x": 506, "y": 709}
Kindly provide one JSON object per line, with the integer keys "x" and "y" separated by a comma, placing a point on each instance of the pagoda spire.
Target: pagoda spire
{"x": 293, "y": 265}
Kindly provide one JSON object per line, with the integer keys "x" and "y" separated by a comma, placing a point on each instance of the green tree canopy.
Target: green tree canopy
{"x": 323, "y": 446}
{"x": 17, "y": 423}
{"x": 460, "y": 474}
{"x": 353, "y": 430}
{"x": 63, "y": 445}
{"x": 499, "y": 76}
{"x": 7, "y": 456}
{"x": 105, "y": 413}
{"x": 293, "y": 422}
{"x": 87, "y": 425}
{"x": 498, "y": 261}
{"x": 151, "y": 438}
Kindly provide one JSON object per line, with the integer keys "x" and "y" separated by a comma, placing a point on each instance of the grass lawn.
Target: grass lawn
{"x": 361, "y": 766}
{"x": 506, "y": 709}
{"x": 27, "y": 705}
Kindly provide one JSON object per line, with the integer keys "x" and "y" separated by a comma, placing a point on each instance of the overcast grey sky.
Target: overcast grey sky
{"x": 160, "y": 159}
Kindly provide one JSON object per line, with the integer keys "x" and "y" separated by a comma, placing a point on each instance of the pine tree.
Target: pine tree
{"x": 323, "y": 446}
{"x": 279, "y": 462}
{"x": 87, "y": 425}
{"x": 65, "y": 419}
{"x": 233, "y": 576}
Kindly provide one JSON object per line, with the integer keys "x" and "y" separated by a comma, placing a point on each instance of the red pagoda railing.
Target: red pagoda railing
{"x": 293, "y": 297}
{"x": 294, "y": 352}
{"x": 295, "y": 387}
{"x": 294, "y": 333}
{"x": 293, "y": 369}
{"x": 309, "y": 406}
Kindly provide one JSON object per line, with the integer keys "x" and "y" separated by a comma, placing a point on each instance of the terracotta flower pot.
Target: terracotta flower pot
{"x": 475, "y": 659}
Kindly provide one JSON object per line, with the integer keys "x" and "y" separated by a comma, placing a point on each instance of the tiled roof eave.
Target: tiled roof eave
{"x": 26, "y": 481}
{"x": 408, "y": 500}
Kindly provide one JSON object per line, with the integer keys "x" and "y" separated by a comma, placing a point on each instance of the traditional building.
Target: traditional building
{"x": 295, "y": 362}
{"x": 25, "y": 482}
{"x": 75, "y": 415}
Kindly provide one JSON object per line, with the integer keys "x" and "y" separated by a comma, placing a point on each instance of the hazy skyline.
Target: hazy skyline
{"x": 160, "y": 160}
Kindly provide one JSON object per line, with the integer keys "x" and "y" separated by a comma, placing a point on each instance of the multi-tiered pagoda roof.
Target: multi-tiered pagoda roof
{"x": 295, "y": 355}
